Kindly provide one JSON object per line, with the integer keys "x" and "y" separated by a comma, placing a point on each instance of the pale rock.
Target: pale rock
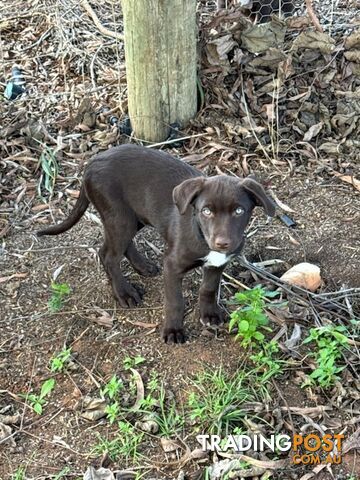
{"x": 305, "y": 275}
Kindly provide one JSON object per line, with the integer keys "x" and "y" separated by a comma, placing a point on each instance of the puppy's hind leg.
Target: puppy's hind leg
{"x": 140, "y": 263}
{"x": 119, "y": 231}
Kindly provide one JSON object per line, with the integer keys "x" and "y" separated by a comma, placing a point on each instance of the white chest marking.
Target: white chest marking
{"x": 216, "y": 259}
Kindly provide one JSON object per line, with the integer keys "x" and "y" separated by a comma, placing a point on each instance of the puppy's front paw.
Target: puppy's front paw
{"x": 172, "y": 335}
{"x": 211, "y": 316}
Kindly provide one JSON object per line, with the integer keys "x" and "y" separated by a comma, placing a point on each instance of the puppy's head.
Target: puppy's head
{"x": 223, "y": 206}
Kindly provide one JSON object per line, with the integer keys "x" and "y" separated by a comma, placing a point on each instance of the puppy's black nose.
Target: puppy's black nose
{"x": 222, "y": 243}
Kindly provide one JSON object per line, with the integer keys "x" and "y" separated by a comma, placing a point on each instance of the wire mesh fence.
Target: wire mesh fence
{"x": 263, "y": 9}
{"x": 332, "y": 14}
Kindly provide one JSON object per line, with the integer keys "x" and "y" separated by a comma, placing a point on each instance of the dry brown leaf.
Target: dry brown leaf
{"x": 298, "y": 23}
{"x": 271, "y": 59}
{"x": 10, "y": 419}
{"x": 5, "y": 435}
{"x": 140, "y": 390}
{"x": 105, "y": 320}
{"x": 314, "y": 473}
{"x": 353, "y": 56}
{"x": 353, "y": 40}
{"x": 218, "y": 49}
{"x": 348, "y": 179}
{"x": 94, "y": 408}
{"x": 218, "y": 469}
{"x": 269, "y": 109}
{"x": 259, "y": 38}
{"x": 169, "y": 445}
{"x": 311, "y": 412}
{"x": 281, "y": 204}
{"x": 314, "y": 41}
{"x": 148, "y": 426}
{"x": 98, "y": 474}
{"x": 313, "y": 131}
{"x": 330, "y": 148}
{"x": 293, "y": 240}
{"x": 40, "y": 207}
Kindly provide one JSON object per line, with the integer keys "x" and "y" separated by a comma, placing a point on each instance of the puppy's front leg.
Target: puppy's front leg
{"x": 210, "y": 312}
{"x": 173, "y": 328}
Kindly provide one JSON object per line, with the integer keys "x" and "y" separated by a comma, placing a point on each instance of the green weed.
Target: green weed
{"x": 330, "y": 342}
{"x": 124, "y": 446}
{"x": 112, "y": 391}
{"x": 19, "y": 474}
{"x": 216, "y": 401}
{"x": 62, "y": 473}
{"x": 150, "y": 399}
{"x": 112, "y": 388}
{"x": 59, "y": 292}
{"x": 266, "y": 361}
{"x": 113, "y": 411}
{"x": 38, "y": 401}
{"x": 59, "y": 361}
{"x": 162, "y": 411}
{"x": 250, "y": 318}
{"x": 131, "y": 362}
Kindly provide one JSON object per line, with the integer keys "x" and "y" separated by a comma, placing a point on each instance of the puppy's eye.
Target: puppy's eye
{"x": 239, "y": 211}
{"x": 206, "y": 211}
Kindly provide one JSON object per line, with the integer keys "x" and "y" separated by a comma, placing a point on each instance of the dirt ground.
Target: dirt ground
{"x": 327, "y": 234}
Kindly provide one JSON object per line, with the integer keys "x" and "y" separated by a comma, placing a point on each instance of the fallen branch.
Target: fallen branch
{"x": 105, "y": 31}
{"x": 312, "y": 15}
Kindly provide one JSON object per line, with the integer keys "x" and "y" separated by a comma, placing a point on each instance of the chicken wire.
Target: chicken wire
{"x": 332, "y": 14}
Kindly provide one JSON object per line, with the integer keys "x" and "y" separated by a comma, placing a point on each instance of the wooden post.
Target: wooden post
{"x": 160, "y": 55}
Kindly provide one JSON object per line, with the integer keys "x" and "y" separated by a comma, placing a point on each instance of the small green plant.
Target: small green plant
{"x": 113, "y": 411}
{"x": 266, "y": 361}
{"x": 124, "y": 446}
{"x": 153, "y": 383}
{"x": 131, "y": 362}
{"x": 150, "y": 400}
{"x": 112, "y": 391}
{"x": 63, "y": 473}
{"x": 161, "y": 409}
{"x": 165, "y": 413}
{"x": 59, "y": 361}
{"x": 59, "y": 292}
{"x": 330, "y": 342}
{"x": 112, "y": 388}
{"x": 216, "y": 399}
{"x": 38, "y": 401}
{"x": 19, "y": 474}
{"x": 249, "y": 318}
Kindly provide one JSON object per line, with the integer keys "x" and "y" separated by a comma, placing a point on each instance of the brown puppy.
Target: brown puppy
{"x": 202, "y": 220}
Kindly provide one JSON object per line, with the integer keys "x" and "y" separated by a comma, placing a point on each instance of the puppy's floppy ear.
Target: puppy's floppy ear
{"x": 186, "y": 192}
{"x": 251, "y": 185}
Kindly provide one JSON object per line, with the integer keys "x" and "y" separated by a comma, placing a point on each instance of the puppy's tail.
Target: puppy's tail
{"x": 78, "y": 211}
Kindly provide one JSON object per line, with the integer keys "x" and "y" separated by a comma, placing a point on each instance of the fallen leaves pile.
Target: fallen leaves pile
{"x": 285, "y": 91}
